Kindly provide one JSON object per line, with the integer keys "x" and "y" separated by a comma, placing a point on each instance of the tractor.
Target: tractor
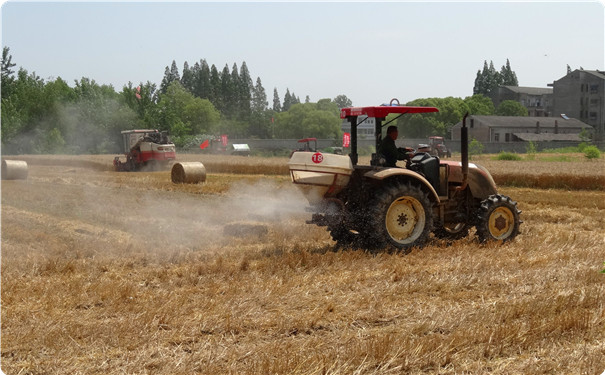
{"x": 145, "y": 149}
{"x": 436, "y": 147}
{"x": 378, "y": 207}
{"x": 306, "y": 144}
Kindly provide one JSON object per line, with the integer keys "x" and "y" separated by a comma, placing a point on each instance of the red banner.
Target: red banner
{"x": 224, "y": 140}
{"x": 346, "y": 140}
{"x": 204, "y": 144}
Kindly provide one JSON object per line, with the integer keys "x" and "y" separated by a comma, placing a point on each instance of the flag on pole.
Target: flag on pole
{"x": 346, "y": 139}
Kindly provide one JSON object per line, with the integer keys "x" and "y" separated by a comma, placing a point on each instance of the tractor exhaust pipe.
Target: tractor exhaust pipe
{"x": 464, "y": 152}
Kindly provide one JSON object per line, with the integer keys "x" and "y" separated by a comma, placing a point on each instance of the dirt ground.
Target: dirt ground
{"x": 127, "y": 273}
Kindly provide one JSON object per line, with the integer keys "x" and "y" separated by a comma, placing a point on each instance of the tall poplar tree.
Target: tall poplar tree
{"x": 287, "y": 101}
{"x": 509, "y": 78}
{"x": 215, "y": 87}
{"x": 244, "y": 92}
{"x": 259, "y": 97}
{"x": 7, "y": 72}
{"x": 276, "y": 101}
{"x": 170, "y": 75}
{"x": 203, "y": 86}
{"x": 187, "y": 79}
{"x": 489, "y": 79}
{"x": 226, "y": 92}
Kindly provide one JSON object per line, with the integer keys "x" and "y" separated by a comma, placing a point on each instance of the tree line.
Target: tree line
{"x": 50, "y": 116}
{"x": 489, "y": 78}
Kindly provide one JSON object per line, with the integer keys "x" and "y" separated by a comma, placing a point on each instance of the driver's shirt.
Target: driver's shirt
{"x": 388, "y": 149}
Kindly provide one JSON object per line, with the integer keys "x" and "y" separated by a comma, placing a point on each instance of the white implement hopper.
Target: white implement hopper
{"x": 320, "y": 175}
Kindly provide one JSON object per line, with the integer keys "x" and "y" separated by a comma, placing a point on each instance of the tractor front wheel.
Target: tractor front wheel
{"x": 498, "y": 219}
{"x": 401, "y": 216}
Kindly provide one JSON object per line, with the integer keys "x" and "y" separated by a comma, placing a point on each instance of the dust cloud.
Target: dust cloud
{"x": 246, "y": 211}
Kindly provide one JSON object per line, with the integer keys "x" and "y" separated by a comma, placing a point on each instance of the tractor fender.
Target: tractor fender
{"x": 384, "y": 173}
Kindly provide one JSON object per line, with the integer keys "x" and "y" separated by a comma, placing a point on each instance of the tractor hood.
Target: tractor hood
{"x": 480, "y": 181}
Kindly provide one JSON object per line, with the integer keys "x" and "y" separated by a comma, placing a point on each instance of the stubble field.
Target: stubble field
{"x": 127, "y": 273}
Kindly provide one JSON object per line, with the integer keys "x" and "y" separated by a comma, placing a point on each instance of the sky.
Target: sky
{"x": 369, "y": 51}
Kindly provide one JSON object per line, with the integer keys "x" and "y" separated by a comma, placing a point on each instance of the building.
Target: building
{"x": 518, "y": 128}
{"x": 581, "y": 94}
{"x": 537, "y": 100}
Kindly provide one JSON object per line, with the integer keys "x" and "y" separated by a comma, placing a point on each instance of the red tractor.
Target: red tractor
{"x": 376, "y": 207}
{"x": 145, "y": 149}
{"x": 437, "y": 147}
{"x": 306, "y": 144}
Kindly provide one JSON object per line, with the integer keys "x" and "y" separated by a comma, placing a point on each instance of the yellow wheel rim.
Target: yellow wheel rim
{"x": 501, "y": 223}
{"x": 405, "y": 220}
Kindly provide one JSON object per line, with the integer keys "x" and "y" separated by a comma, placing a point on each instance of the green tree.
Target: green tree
{"x": 307, "y": 120}
{"x": 200, "y": 116}
{"x": 185, "y": 115}
{"x": 287, "y": 100}
{"x": 276, "y": 101}
{"x": 170, "y": 75}
{"x": 259, "y": 97}
{"x": 343, "y": 102}
{"x": 511, "y": 108}
{"x": 489, "y": 79}
{"x": 451, "y": 111}
{"x": 479, "y": 105}
{"x": 95, "y": 120}
{"x": 260, "y": 117}
{"x": 215, "y": 87}
{"x": 188, "y": 77}
{"x": 509, "y": 78}
{"x": 245, "y": 91}
{"x": 475, "y": 147}
{"x": 7, "y": 72}
{"x": 236, "y": 94}
{"x": 226, "y": 93}
{"x": 202, "y": 88}
{"x": 143, "y": 101}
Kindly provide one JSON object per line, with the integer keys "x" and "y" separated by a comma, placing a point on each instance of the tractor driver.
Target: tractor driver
{"x": 389, "y": 150}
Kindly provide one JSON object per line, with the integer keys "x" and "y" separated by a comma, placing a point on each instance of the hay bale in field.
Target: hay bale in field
{"x": 14, "y": 170}
{"x": 188, "y": 173}
{"x": 242, "y": 229}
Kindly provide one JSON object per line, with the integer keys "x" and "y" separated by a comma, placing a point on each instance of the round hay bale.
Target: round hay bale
{"x": 188, "y": 173}
{"x": 14, "y": 170}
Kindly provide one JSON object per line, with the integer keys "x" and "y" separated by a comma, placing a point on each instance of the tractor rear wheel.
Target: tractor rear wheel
{"x": 498, "y": 219}
{"x": 401, "y": 216}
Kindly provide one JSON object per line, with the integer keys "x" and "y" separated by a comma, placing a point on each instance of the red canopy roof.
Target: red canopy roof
{"x": 383, "y": 111}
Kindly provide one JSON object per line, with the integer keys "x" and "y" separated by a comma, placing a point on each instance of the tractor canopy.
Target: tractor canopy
{"x": 379, "y": 113}
{"x": 383, "y": 110}
{"x": 307, "y": 140}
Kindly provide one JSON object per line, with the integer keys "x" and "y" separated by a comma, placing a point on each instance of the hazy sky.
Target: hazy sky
{"x": 369, "y": 51}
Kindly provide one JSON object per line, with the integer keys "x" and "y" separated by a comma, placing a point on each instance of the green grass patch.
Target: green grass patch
{"x": 507, "y": 156}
